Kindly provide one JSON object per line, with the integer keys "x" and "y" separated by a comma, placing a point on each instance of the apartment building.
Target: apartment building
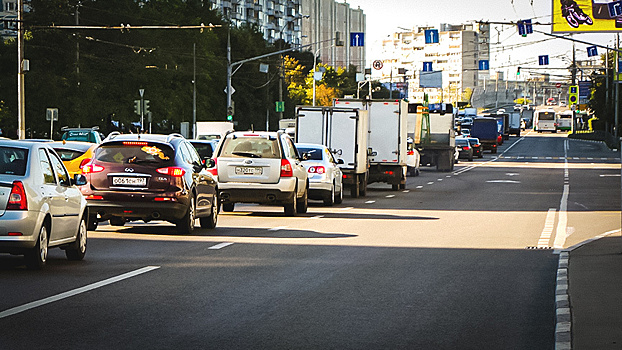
{"x": 457, "y": 54}
{"x": 8, "y": 18}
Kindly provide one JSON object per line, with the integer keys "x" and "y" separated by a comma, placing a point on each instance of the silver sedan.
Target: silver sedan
{"x": 325, "y": 177}
{"x": 40, "y": 205}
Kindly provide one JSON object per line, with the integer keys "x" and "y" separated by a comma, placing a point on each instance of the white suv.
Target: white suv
{"x": 261, "y": 167}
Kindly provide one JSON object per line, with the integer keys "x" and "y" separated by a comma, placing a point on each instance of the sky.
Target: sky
{"x": 385, "y": 17}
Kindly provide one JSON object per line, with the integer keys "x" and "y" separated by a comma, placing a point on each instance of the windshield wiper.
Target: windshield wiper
{"x": 246, "y": 154}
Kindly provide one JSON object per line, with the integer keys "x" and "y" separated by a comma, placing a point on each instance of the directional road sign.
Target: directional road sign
{"x": 357, "y": 39}
{"x": 484, "y": 64}
{"x": 592, "y": 51}
{"x": 543, "y": 60}
{"x": 431, "y": 36}
{"x": 427, "y": 66}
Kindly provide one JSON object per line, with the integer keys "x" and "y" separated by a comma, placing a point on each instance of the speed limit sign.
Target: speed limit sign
{"x": 377, "y": 64}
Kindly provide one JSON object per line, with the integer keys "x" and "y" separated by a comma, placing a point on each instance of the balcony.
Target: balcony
{"x": 226, "y": 3}
{"x": 269, "y": 12}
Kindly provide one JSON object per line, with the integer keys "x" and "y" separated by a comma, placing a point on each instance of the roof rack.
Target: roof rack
{"x": 171, "y": 136}
{"x": 112, "y": 135}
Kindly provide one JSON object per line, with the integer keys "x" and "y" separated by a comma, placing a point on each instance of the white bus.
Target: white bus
{"x": 564, "y": 120}
{"x": 544, "y": 120}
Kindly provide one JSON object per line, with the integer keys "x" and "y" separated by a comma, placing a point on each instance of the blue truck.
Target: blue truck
{"x": 486, "y": 130}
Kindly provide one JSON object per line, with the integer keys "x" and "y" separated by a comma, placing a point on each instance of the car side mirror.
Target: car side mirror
{"x": 79, "y": 180}
{"x": 306, "y": 156}
{"x": 208, "y": 162}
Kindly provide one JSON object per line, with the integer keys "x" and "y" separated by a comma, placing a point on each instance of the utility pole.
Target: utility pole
{"x": 194, "y": 91}
{"x": 229, "y": 68}
{"x": 21, "y": 102}
{"x": 616, "y": 100}
{"x": 78, "y": 44}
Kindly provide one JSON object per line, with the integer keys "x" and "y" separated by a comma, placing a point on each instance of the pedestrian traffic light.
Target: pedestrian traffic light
{"x": 573, "y": 95}
{"x": 146, "y": 107}
{"x": 518, "y": 71}
{"x": 137, "y": 107}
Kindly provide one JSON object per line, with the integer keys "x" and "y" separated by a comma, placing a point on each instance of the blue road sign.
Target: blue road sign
{"x": 615, "y": 9}
{"x": 357, "y": 39}
{"x": 528, "y": 26}
{"x": 584, "y": 89}
{"x": 484, "y": 65}
{"x": 543, "y": 60}
{"x": 592, "y": 51}
{"x": 427, "y": 66}
{"x": 431, "y": 36}
{"x": 524, "y": 27}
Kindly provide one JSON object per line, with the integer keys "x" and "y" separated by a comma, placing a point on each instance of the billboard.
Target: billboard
{"x": 431, "y": 79}
{"x": 586, "y": 16}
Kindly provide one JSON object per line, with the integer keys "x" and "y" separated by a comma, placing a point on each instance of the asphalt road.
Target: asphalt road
{"x": 458, "y": 260}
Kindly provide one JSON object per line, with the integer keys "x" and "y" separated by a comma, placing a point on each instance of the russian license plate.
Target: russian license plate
{"x": 129, "y": 181}
{"x": 247, "y": 170}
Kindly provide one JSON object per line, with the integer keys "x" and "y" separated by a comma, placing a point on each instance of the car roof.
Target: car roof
{"x": 116, "y": 137}
{"x": 24, "y": 144}
{"x": 73, "y": 145}
{"x": 310, "y": 145}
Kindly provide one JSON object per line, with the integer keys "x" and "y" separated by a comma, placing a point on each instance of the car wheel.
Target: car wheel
{"x": 77, "y": 250}
{"x": 92, "y": 223}
{"x": 290, "y": 208}
{"x": 210, "y": 221}
{"x": 303, "y": 203}
{"x": 329, "y": 199}
{"x": 117, "y": 221}
{"x": 470, "y": 158}
{"x": 339, "y": 196}
{"x": 228, "y": 207}
{"x": 37, "y": 256}
{"x": 186, "y": 224}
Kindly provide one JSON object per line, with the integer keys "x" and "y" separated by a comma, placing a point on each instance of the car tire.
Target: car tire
{"x": 470, "y": 158}
{"x": 228, "y": 207}
{"x": 290, "y": 208}
{"x": 339, "y": 196}
{"x": 77, "y": 249}
{"x": 38, "y": 255}
{"x": 212, "y": 219}
{"x": 186, "y": 224}
{"x": 92, "y": 223}
{"x": 329, "y": 199}
{"x": 116, "y": 221}
{"x": 303, "y": 203}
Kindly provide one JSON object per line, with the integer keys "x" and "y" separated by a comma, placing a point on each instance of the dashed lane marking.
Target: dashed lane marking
{"x": 220, "y": 245}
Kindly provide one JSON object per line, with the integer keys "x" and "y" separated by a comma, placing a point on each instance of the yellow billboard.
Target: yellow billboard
{"x": 585, "y": 16}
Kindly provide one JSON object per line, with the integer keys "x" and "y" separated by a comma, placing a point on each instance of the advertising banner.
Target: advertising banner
{"x": 586, "y": 16}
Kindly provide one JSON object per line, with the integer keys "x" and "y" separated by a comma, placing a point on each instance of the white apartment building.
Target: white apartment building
{"x": 457, "y": 55}
{"x": 8, "y": 18}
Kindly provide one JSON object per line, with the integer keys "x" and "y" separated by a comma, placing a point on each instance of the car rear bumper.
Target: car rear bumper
{"x": 144, "y": 210}
{"x": 26, "y": 223}
{"x": 243, "y": 192}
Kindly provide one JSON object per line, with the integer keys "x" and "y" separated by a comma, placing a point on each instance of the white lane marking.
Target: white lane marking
{"x": 220, "y": 245}
{"x": 347, "y": 208}
{"x": 76, "y": 291}
{"x": 549, "y": 222}
{"x": 370, "y": 202}
{"x": 512, "y": 174}
{"x": 317, "y": 217}
{"x": 406, "y": 191}
{"x": 610, "y": 175}
{"x": 504, "y": 181}
{"x": 419, "y": 187}
{"x": 562, "y": 225}
{"x": 277, "y": 228}
{"x": 391, "y": 196}
{"x": 447, "y": 176}
{"x": 439, "y": 179}
{"x": 431, "y": 183}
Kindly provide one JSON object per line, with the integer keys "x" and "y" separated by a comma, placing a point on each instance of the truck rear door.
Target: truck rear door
{"x": 384, "y": 126}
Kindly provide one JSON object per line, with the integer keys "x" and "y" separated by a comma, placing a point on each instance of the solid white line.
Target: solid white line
{"x": 562, "y": 225}
{"x": 610, "y": 175}
{"x": 77, "y": 291}
{"x": 347, "y": 208}
{"x": 317, "y": 217}
{"x": 277, "y": 228}
{"x": 549, "y": 222}
{"x": 220, "y": 245}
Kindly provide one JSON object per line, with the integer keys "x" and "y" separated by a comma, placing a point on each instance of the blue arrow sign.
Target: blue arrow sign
{"x": 592, "y": 51}
{"x": 431, "y": 36}
{"x": 357, "y": 39}
{"x": 615, "y": 8}
{"x": 484, "y": 65}
{"x": 427, "y": 66}
{"x": 543, "y": 60}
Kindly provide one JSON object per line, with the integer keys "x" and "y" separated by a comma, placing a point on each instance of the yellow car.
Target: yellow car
{"x": 74, "y": 154}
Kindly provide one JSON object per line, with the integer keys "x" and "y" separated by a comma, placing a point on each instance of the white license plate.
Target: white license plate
{"x": 246, "y": 170}
{"x": 129, "y": 181}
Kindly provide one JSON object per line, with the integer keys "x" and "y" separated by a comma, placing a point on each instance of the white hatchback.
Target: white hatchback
{"x": 325, "y": 177}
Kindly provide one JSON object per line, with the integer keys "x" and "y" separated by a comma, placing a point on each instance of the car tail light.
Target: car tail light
{"x": 317, "y": 170}
{"x": 92, "y": 168}
{"x": 410, "y": 153}
{"x": 172, "y": 171}
{"x": 84, "y": 162}
{"x": 214, "y": 170}
{"x": 134, "y": 143}
{"x": 388, "y": 172}
{"x": 94, "y": 197}
{"x": 466, "y": 148}
{"x": 286, "y": 168}
{"x": 17, "y": 198}
{"x": 499, "y": 138}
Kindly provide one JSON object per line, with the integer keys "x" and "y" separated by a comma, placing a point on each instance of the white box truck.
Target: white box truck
{"x": 212, "y": 130}
{"x": 434, "y": 134}
{"x": 387, "y": 139}
{"x": 344, "y": 132}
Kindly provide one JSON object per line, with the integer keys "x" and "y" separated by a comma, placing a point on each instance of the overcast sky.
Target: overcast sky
{"x": 385, "y": 16}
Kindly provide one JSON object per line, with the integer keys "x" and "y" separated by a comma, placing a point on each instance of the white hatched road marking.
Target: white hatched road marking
{"x": 76, "y": 291}
{"x": 220, "y": 245}
{"x": 545, "y": 237}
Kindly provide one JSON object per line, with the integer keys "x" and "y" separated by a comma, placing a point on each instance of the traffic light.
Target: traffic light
{"x": 146, "y": 107}
{"x": 573, "y": 95}
{"x": 518, "y": 71}
{"x": 137, "y": 108}
{"x": 230, "y": 112}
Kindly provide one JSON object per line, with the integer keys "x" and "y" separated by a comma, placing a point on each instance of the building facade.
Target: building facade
{"x": 457, "y": 55}
{"x": 8, "y": 18}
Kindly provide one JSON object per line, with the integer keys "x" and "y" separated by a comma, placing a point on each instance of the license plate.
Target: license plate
{"x": 129, "y": 181}
{"x": 245, "y": 170}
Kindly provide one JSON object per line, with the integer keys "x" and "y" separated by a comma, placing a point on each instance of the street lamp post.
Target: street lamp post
{"x": 21, "y": 102}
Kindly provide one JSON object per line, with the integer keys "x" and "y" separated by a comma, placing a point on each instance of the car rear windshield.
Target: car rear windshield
{"x": 252, "y": 146}
{"x": 205, "y": 150}
{"x": 71, "y": 153}
{"x": 79, "y": 135}
{"x": 135, "y": 152}
{"x": 462, "y": 142}
{"x": 314, "y": 153}
{"x": 13, "y": 161}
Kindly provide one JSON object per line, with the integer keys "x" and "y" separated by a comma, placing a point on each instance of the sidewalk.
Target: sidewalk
{"x": 595, "y": 292}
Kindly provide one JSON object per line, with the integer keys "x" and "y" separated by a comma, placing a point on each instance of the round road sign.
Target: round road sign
{"x": 377, "y": 64}
{"x": 558, "y": 85}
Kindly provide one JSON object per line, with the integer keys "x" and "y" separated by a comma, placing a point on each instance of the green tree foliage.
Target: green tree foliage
{"x": 602, "y": 98}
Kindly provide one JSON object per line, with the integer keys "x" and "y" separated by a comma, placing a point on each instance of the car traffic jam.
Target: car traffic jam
{"x": 53, "y": 192}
